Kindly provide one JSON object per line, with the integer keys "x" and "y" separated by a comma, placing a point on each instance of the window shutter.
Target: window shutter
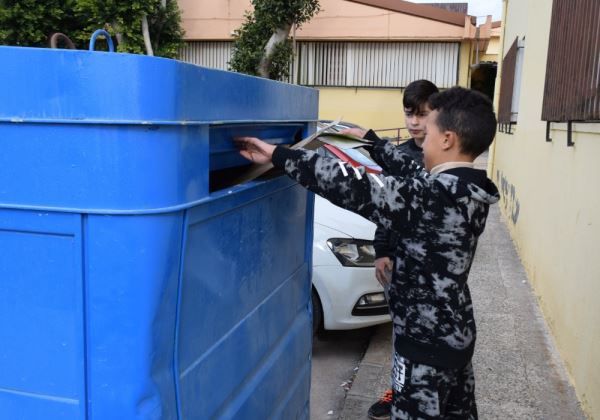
{"x": 507, "y": 84}
{"x": 572, "y": 88}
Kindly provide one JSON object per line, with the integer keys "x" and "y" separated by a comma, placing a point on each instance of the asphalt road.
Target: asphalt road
{"x": 336, "y": 355}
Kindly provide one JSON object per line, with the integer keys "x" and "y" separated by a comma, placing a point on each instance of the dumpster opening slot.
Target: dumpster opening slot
{"x": 228, "y": 168}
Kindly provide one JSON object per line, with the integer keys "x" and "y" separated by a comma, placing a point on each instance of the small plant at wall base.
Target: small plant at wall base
{"x": 262, "y": 46}
{"x": 150, "y": 27}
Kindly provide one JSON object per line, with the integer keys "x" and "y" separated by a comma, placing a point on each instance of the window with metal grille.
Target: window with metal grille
{"x": 377, "y": 64}
{"x": 572, "y": 88}
{"x": 510, "y": 86}
{"x": 353, "y": 64}
{"x": 213, "y": 54}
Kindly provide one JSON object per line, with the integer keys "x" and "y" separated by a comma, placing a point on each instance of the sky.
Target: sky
{"x": 479, "y": 8}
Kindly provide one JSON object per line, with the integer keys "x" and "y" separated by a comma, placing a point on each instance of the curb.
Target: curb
{"x": 372, "y": 377}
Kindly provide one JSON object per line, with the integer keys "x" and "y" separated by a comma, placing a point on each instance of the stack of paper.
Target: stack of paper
{"x": 324, "y": 135}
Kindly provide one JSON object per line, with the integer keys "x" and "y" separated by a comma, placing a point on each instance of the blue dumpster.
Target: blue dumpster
{"x": 138, "y": 279}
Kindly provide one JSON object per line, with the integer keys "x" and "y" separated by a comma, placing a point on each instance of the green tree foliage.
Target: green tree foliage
{"x": 30, "y": 23}
{"x": 270, "y": 19}
{"x": 123, "y": 20}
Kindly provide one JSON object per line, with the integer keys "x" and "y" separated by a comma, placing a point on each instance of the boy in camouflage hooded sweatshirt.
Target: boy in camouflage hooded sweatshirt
{"x": 441, "y": 212}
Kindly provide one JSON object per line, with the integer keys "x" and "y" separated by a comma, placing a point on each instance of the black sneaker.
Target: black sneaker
{"x": 382, "y": 409}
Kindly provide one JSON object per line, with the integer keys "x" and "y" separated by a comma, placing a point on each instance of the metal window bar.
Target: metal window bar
{"x": 397, "y": 130}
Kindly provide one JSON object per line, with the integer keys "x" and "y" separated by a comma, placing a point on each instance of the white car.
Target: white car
{"x": 346, "y": 294}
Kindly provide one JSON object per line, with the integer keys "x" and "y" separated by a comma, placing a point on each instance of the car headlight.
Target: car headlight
{"x": 353, "y": 252}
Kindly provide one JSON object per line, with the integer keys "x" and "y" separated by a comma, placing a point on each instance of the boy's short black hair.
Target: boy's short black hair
{"x": 417, "y": 94}
{"x": 468, "y": 113}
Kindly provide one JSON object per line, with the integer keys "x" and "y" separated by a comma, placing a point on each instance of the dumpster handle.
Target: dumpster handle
{"x": 58, "y": 35}
{"x": 96, "y": 34}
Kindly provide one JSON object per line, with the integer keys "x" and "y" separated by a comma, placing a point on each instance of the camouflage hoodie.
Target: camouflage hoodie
{"x": 384, "y": 240}
{"x": 440, "y": 218}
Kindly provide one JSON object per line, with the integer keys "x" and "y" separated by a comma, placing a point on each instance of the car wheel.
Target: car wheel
{"x": 317, "y": 311}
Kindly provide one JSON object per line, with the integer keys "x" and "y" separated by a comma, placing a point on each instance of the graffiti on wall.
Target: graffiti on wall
{"x": 509, "y": 196}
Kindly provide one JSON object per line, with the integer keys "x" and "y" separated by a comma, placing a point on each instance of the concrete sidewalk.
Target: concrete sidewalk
{"x": 519, "y": 374}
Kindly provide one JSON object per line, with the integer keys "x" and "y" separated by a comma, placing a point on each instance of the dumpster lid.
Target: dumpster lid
{"x": 73, "y": 86}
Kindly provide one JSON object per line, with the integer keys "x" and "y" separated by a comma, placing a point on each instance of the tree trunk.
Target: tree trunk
{"x": 118, "y": 33}
{"x": 161, "y": 24}
{"x": 280, "y": 35}
{"x": 146, "y": 33}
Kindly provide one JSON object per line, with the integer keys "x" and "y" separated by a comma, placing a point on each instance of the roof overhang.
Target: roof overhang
{"x": 420, "y": 10}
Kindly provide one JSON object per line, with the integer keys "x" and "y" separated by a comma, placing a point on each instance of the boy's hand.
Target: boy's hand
{"x": 383, "y": 270}
{"x": 255, "y": 149}
{"x": 357, "y": 132}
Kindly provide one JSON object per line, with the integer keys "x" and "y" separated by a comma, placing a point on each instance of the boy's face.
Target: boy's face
{"x": 433, "y": 146}
{"x": 415, "y": 120}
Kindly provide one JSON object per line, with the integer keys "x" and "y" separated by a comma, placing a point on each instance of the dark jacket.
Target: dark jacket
{"x": 440, "y": 218}
{"x": 384, "y": 241}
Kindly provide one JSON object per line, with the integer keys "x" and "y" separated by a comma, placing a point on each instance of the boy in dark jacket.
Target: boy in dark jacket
{"x": 440, "y": 212}
{"x": 416, "y": 110}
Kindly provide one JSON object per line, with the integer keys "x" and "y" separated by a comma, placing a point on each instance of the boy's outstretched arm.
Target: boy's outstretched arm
{"x": 392, "y": 202}
{"x": 392, "y": 160}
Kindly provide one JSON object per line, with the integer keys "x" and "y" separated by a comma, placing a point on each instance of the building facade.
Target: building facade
{"x": 545, "y": 162}
{"x": 359, "y": 54}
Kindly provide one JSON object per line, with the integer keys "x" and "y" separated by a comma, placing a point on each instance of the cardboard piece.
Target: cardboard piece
{"x": 324, "y": 135}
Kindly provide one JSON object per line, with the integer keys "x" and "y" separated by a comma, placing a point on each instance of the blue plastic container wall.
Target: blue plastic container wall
{"x": 134, "y": 285}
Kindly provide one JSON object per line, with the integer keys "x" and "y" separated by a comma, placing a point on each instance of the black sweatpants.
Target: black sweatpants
{"x": 428, "y": 392}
